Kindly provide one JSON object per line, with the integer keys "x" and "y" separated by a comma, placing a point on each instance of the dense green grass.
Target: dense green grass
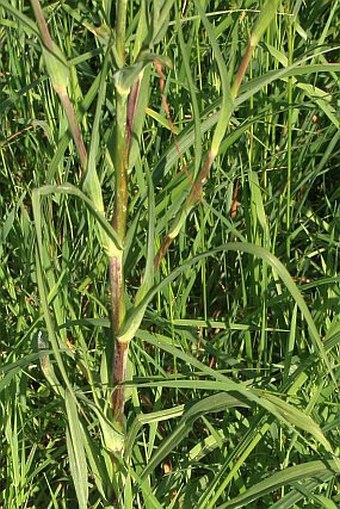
{"x": 232, "y": 398}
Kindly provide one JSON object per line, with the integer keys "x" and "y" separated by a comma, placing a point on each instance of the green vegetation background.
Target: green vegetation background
{"x": 233, "y": 399}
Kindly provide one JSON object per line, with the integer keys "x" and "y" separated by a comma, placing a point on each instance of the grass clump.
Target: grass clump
{"x": 169, "y": 275}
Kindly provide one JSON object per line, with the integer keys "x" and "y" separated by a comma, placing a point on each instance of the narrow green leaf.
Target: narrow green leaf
{"x": 49, "y": 320}
{"x": 125, "y": 78}
{"x": 227, "y": 103}
{"x": 135, "y": 316}
{"x": 114, "y": 243}
{"x": 263, "y": 21}
{"x": 193, "y": 94}
{"x": 27, "y": 23}
{"x": 215, "y": 403}
{"x": 92, "y": 185}
{"x": 298, "y": 418}
{"x": 248, "y": 90}
{"x": 57, "y": 68}
{"x": 76, "y": 450}
{"x": 148, "y": 277}
{"x": 46, "y": 365}
{"x": 285, "y": 477}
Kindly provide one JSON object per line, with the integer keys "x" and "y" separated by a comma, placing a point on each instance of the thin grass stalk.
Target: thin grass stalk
{"x": 290, "y": 42}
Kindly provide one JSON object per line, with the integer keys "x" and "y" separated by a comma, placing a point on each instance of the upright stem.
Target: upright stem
{"x": 42, "y": 25}
{"x": 289, "y": 132}
{"x": 120, "y": 349}
{"x": 242, "y": 70}
{"x": 120, "y": 30}
{"x": 120, "y": 161}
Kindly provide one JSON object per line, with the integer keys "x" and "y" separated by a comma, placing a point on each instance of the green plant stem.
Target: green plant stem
{"x": 116, "y": 262}
{"x": 289, "y": 132}
{"x": 120, "y": 161}
{"x": 120, "y": 348}
{"x": 120, "y": 30}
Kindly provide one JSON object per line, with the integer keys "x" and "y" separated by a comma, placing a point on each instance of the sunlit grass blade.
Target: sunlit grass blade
{"x": 279, "y": 479}
{"x": 75, "y": 446}
{"x": 111, "y": 243}
{"x": 216, "y": 403}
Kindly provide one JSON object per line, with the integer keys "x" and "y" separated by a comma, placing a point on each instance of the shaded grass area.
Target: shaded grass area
{"x": 232, "y": 398}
